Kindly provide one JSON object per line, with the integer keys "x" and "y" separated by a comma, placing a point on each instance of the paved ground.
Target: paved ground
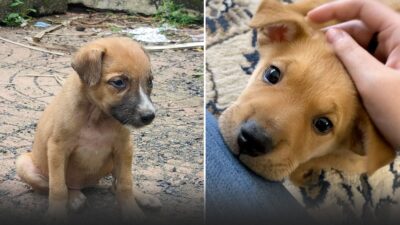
{"x": 168, "y": 162}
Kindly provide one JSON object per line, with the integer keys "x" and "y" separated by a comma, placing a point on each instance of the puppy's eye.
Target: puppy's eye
{"x": 150, "y": 83}
{"x": 272, "y": 75}
{"x": 118, "y": 84}
{"x": 323, "y": 125}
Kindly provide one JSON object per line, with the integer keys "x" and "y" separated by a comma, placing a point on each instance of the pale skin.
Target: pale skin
{"x": 377, "y": 76}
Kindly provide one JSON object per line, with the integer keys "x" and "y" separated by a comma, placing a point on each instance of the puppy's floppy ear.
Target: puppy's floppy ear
{"x": 379, "y": 153}
{"x": 87, "y": 62}
{"x": 277, "y": 23}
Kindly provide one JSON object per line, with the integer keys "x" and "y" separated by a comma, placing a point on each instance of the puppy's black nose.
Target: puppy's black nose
{"x": 147, "y": 117}
{"x": 253, "y": 140}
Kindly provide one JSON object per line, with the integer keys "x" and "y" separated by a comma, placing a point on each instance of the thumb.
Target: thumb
{"x": 361, "y": 65}
{"x": 393, "y": 60}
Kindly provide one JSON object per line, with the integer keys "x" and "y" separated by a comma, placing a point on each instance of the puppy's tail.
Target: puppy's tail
{"x": 30, "y": 174}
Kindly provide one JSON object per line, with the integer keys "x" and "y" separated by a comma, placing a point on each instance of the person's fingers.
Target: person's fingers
{"x": 388, "y": 44}
{"x": 394, "y": 59}
{"x": 359, "y": 63}
{"x": 375, "y": 15}
{"x": 357, "y": 29}
{"x": 381, "y": 53}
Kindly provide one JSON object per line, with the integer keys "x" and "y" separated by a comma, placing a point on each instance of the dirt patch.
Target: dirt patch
{"x": 168, "y": 161}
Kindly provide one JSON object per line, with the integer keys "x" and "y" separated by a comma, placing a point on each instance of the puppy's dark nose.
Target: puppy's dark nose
{"x": 253, "y": 140}
{"x": 147, "y": 117}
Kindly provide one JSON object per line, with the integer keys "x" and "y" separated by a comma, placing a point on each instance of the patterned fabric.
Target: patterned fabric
{"x": 335, "y": 197}
{"x": 231, "y": 54}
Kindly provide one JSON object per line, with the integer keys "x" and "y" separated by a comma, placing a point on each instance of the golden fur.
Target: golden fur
{"x": 314, "y": 83}
{"x": 78, "y": 141}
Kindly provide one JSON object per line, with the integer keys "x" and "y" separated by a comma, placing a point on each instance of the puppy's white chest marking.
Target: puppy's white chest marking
{"x": 96, "y": 138}
{"x": 94, "y": 146}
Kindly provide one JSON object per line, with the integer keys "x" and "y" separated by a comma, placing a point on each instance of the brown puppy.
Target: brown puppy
{"x": 81, "y": 136}
{"x": 300, "y": 112}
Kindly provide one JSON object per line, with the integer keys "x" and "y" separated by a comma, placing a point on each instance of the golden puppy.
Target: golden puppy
{"x": 81, "y": 136}
{"x": 300, "y": 112}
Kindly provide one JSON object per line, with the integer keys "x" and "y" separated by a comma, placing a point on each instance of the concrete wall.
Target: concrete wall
{"x": 43, "y": 7}
{"x": 147, "y": 7}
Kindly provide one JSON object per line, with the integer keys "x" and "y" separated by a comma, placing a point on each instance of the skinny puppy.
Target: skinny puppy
{"x": 81, "y": 136}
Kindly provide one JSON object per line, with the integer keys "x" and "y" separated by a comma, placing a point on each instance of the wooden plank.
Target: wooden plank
{"x": 176, "y": 46}
{"x": 31, "y": 47}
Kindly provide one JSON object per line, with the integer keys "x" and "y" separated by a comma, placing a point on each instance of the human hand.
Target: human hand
{"x": 378, "y": 83}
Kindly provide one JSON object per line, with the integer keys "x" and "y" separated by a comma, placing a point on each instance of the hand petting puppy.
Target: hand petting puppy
{"x": 377, "y": 76}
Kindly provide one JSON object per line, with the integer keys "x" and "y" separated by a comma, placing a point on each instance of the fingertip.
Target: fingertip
{"x": 311, "y": 14}
{"x": 319, "y": 14}
{"x": 333, "y": 35}
{"x": 352, "y": 55}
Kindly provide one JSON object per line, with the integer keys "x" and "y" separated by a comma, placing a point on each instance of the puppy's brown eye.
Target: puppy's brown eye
{"x": 323, "y": 125}
{"x": 272, "y": 75}
{"x": 118, "y": 84}
{"x": 150, "y": 83}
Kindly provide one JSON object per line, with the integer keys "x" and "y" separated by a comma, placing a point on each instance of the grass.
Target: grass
{"x": 20, "y": 15}
{"x": 176, "y": 15}
{"x": 115, "y": 29}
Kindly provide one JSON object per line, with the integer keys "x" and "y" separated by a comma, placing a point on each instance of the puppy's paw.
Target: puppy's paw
{"x": 306, "y": 177}
{"x": 76, "y": 201}
{"x": 56, "y": 216}
{"x": 147, "y": 201}
{"x": 133, "y": 215}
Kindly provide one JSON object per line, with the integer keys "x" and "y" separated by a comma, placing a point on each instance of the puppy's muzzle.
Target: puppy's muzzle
{"x": 145, "y": 108}
{"x": 137, "y": 111}
{"x": 253, "y": 140}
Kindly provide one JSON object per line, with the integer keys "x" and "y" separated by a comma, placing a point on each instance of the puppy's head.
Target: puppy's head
{"x": 299, "y": 103}
{"x": 116, "y": 76}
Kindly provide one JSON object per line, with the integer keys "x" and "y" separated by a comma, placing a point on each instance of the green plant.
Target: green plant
{"x": 175, "y": 14}
{"x": 20, "y": 15}
{"x": 115, "y": 29}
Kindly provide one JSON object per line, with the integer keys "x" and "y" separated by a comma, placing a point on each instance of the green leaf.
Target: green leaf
{"x": 16, "y": 3}
{"x": 31, "y": 11}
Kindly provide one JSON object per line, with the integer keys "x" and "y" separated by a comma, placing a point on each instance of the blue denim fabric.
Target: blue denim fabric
{"x": 235, "y": 195}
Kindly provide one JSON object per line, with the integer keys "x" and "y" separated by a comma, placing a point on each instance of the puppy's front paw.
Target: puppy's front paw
{"x": 305, "y": 177}
{"x": 76, "y": 201}
{"x": 56, "y": 215}
{"x": 147, "y": 201}
{"x": 134, "y": 215}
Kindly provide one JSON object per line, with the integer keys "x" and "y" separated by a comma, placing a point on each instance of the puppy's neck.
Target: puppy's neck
{"x": 95, "y": 115}
{"x": 92, "y": 113}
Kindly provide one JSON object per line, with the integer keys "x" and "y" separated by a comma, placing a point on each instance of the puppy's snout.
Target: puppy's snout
{"x": 253, "y": 140}
{"x": 146, "y": 108}
{"x": 147, "y": 117}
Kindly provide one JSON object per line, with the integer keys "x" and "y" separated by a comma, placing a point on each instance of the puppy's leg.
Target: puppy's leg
{"x": 307, "y": 174}
{"x": 30, "y": 174}
{"x": 146, "y": 200}
{"x": 76, "y": 199}
{"x": 124, "y": 184}
{"x": 58, "y": 191}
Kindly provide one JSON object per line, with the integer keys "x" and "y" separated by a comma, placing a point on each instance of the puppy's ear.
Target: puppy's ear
{"x": 277, "y": 23}
{"x": 87, "y": 62}
{"x": 379, "y": 153}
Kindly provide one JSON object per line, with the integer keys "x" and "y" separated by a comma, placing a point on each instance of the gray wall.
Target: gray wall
{"x": 147, "y": 7}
